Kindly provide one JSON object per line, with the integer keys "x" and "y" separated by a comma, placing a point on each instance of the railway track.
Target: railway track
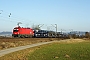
{"x": 20, "y": 39}
{"x": 26, "y": 39}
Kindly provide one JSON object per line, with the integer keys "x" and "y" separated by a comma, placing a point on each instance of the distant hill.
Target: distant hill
{"x": 5, "y": 33}
{"x": 77, "y": 32}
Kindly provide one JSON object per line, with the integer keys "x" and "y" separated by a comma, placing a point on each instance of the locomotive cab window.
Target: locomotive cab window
{"x": 15, "y": 30}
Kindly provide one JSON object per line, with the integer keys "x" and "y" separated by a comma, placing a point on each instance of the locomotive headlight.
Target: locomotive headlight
{"x": 18, "y": 32}
{"x": 15, "y": 33}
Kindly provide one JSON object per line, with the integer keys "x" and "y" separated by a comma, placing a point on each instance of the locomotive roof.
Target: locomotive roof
{"x": 23, "y": 27}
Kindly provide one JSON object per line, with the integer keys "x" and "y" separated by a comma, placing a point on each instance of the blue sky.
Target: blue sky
{"x": 67, "y": 14}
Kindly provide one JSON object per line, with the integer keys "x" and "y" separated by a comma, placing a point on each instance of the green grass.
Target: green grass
{"x": 58, "y": 51}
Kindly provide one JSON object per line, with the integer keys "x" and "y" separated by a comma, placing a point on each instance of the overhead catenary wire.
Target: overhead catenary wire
{"x": 15, "y": 17}
{"x": 11, "y": 18}
{"x": 6, "y": 16}
{"x": 2, "y": 18}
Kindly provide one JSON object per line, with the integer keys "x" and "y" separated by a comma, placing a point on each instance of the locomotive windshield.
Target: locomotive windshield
{"x": 15, "y": 30}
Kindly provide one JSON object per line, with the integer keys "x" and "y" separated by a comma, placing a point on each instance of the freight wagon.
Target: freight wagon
{"x": 41, "y": 34}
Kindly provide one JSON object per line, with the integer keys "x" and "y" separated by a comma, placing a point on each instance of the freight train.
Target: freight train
{"x": 29, "y": 32}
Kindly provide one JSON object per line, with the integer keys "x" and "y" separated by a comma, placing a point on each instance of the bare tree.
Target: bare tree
{"x": 36, "y": 27}
{"x": 87, "y": 34}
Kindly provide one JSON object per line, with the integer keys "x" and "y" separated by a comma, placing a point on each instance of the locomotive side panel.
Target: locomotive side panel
{"x": 23, "y": 32}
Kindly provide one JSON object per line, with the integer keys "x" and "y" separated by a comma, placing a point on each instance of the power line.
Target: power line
{"x": 12, "y": 18}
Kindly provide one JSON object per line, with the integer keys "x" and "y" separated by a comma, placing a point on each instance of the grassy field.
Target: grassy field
{"x": 62, "y": 51}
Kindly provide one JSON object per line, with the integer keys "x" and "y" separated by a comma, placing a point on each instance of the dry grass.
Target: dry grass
{"x": 72, "y": 40}
{"x": 23, "y": 54}
{"x": 19, "y": 55}
{"x": 14, "y": 42}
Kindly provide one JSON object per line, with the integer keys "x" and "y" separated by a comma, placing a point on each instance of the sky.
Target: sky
{"x": 67, "y": 14}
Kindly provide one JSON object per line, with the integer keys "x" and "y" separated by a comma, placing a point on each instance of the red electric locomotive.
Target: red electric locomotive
{"x": 22, "y": 32}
